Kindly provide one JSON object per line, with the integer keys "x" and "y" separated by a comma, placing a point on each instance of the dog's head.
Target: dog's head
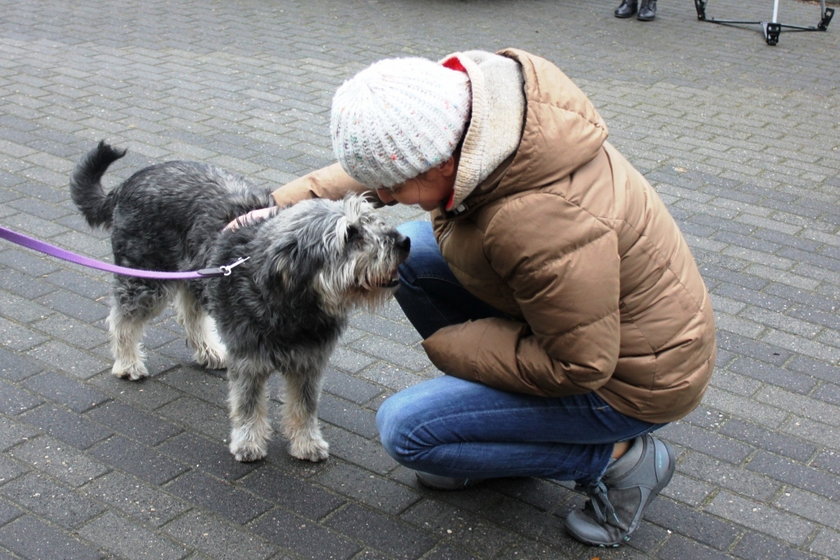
{"x": 340, "y": 249}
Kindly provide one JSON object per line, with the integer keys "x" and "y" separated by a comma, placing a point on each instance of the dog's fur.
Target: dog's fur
{"x": 282, "y": 310}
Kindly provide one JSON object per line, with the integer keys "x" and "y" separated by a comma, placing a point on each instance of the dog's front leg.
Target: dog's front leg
{"x": 250, "y": 429}
{"x": 300, "y": 416}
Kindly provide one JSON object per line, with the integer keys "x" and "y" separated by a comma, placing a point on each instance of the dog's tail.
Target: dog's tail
{"x": 86, "y": 185}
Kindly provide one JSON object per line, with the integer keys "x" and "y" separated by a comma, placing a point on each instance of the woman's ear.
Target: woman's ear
{"x": 449, "y": 167}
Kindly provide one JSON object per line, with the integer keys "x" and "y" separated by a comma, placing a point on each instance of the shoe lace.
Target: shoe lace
{"x": 599, "y": 502}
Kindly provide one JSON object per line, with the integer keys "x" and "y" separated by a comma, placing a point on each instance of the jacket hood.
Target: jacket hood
{"x": 528, "y": 116}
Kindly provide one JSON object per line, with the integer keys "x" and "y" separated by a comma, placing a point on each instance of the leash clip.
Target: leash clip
{"x": 227, "y": 269}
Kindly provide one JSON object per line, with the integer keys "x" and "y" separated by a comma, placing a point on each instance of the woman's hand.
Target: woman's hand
{"x": 251, "y": 218}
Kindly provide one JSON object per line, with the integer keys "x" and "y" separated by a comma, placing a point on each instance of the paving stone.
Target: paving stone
{"x": 825, "y": 543}
{"x": 449, "y": 551}
{"x": 479, "y": 535}
{"x": 218, "y": 539}
{"x": 829, "y": 393}
{"x": 349, "y": 360}
{"x": 802, "y": 406}
{"x": 69, "y": 359}
{"x": 525, "y": 519}
{"x": 58, "y": 460}
{"x": 759, "y": 350}
{"x": 138, "y": 425}
{"x": 13, "y": 431}
{"x": 18, "y": 337}
{"x": 15, "y": 367}
{"x": 72, "y": 331}
{"x": 10, "y": 469}
{"x": 198, "y": 383}
{"x": 796, "y": 474}
{"x": 782, "y": 444}
{"x": 821, "y": 509}
{"x": 775, "y": 375}
{"x": 697, "y": 526}
{"x": 365, "y": 487}
{"x": 348, "y": 415}
{"x": 129, "y": 540}
{"x": 813, "y": 431}
{"x": 828, "y": 460}
{"x": 745, "y": 408}
{"x": 545, "y": 495}
{"x": 394, "y": 538}
{"x": 69, "y": 428}
{"x": 8, "y": 512}
{"x": 759, "y": 517}
{"x": 302, "y": 537}
{"x": 137, "y": 459}
{"x": 688, "y": 490}
{"x": 711, "y": 443}
{"x": 412, "y": 359}
{"x": 146, "y": 395}
{"x": 135, "y": 498}
{"x": 76, "y": 306}
{"x": 59, "y": 504}
{"x": 212, "y": 457}
{"x": 350, "y": 388}
{"x": 196, "y": 415}
{"x": 226, "y": 499}
{"x": 291, "y": 493}
{"x": 76, "y": 396}
{"x": 679, "y": 547}
{"x": 363, "y": 452}
{"x": 755, "y": 546}
{"x": 29, "y": 537}
{"x": 13, "y": 400}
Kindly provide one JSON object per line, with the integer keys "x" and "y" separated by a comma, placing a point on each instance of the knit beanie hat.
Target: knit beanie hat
{"x": 398, "y": 118}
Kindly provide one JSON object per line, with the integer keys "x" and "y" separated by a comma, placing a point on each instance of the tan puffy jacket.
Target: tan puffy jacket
{"x": 571, "y": 242}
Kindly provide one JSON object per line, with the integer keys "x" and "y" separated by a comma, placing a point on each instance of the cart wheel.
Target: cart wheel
{"x": 771, "y": 33}
{"x": 700, "y": 6}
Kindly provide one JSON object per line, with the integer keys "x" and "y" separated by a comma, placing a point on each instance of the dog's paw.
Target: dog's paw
{"x": 314, "y": 450}
{"x": 248, "y": 451}
{"x": 212, "y": 358}
{"x": 132, "y": 371}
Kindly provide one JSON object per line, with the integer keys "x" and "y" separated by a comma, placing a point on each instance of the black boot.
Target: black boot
{"x": 647, "y": 11}
{"x": 626, "y": 9}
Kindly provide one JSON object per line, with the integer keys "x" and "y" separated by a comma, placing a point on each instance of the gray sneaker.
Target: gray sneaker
{"x": 437, "y": 482}
{"x": 617, "y": 501}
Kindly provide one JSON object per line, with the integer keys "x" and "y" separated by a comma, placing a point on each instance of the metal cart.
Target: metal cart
{"x": 772, "y": 29}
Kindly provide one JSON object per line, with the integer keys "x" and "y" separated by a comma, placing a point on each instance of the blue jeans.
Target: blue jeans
{"x": 454, "y": 427}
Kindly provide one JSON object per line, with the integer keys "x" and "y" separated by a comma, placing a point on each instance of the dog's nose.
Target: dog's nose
{"x": 404, "y": 243}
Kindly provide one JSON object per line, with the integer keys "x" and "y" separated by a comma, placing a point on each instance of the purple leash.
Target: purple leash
{"x": 60, "y": 253}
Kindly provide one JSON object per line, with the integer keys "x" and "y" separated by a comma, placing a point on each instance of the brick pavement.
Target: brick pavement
{"x": 740, "y": 138}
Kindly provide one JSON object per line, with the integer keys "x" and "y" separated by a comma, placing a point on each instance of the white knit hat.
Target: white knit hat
{"x": 398, "y": 118}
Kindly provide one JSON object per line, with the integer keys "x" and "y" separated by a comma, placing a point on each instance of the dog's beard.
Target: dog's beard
{"x": 358, "y": 282}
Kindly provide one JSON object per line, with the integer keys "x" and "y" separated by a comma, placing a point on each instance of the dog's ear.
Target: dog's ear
{"x": 350, "y": 227}
{"x": 287, "y": 266}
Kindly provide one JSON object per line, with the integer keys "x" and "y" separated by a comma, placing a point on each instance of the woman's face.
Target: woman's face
{"x": 428, "y": 190}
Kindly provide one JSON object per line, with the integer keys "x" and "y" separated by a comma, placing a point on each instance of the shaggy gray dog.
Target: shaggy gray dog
{"x": 282, "y": 310}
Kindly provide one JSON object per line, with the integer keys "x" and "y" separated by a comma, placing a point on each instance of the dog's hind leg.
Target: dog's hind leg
{"x": 300, "y": 415}
{"x": 133, "y": 305}
{"x": 200, "y": 329}
{"x": 248, "y": 401}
